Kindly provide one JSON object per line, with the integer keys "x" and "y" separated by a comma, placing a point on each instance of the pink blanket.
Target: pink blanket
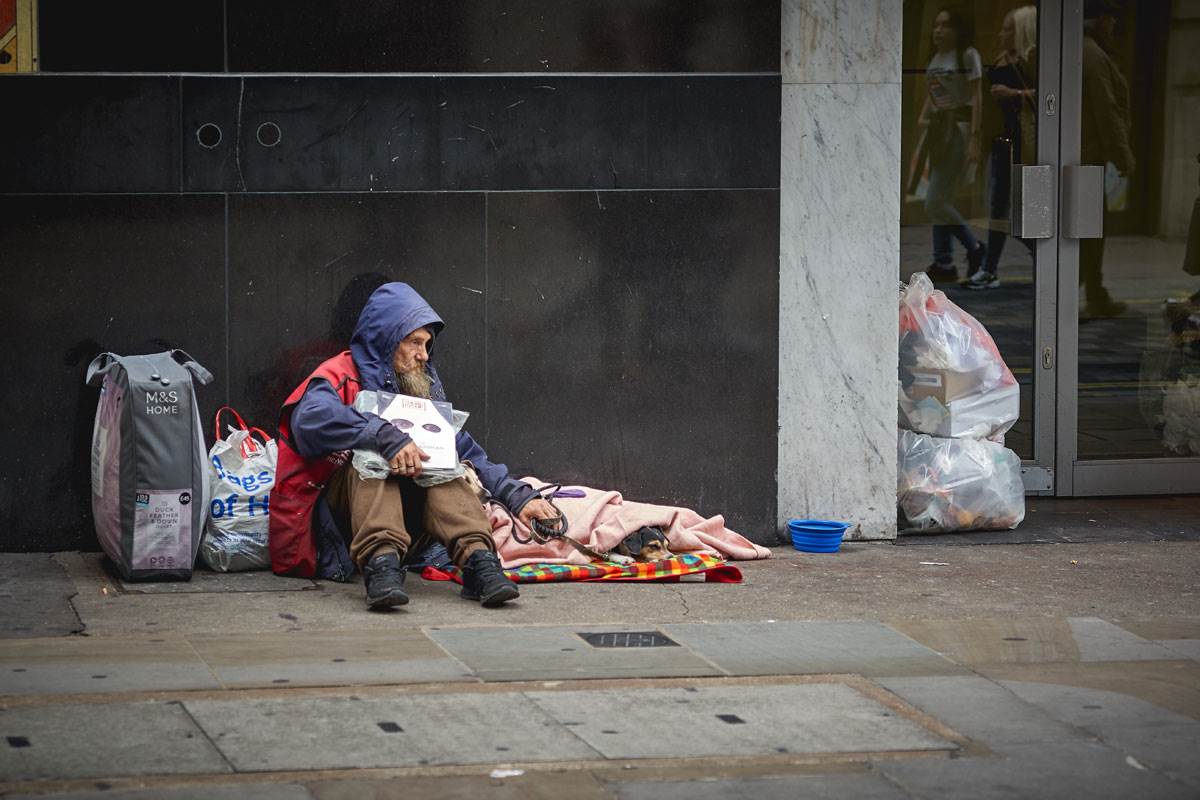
{"x": 602, "y": 519}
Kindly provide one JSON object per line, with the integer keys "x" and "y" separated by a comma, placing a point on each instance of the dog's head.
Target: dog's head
{"x": 645, "y": 544}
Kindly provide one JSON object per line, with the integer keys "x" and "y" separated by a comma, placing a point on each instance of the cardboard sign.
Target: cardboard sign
{"x": 421, "y": 420}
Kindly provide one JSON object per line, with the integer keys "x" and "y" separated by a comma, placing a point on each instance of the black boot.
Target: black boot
{"x": 385, "y": 581}
{"x": 484, "y": 580}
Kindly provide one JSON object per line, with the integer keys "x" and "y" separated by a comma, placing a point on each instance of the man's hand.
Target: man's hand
{"x": 408, "y": 461}
{"x": 537, "y": 508}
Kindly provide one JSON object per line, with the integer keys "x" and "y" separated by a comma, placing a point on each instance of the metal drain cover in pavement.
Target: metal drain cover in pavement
{"x": 628, "y": 639}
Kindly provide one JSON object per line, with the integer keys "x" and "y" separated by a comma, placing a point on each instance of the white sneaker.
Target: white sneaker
{"x": 983, "y": 280}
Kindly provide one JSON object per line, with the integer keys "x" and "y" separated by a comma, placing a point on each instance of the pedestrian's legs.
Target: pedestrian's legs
{"x": 1000, "y": 191}
{"x": 945, "y": 170}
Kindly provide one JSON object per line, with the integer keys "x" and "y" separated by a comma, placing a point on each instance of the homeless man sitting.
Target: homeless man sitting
{"x": 318, "y": 493}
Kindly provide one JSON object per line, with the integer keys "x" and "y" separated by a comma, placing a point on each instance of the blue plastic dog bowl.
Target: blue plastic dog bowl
{"x": 817, "y": 535}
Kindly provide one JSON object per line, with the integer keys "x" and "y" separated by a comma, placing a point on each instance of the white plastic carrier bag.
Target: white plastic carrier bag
{"x": 149, "y": 481}
{"x": 952, "y": 381}
{"x": 395, "y": 408}
{"x": 241, "y": 474}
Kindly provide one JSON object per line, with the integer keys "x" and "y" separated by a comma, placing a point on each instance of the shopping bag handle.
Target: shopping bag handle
{"x": 102, "y": 363}
{"x": 99, "y": 367}
{"x": 251, "y": 447}
{"x": 203, "y": 376}
{"x": 217, "y": 421}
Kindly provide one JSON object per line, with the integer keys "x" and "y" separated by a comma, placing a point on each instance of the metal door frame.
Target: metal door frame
{"x": 1072, "y": 476}
{"x": 1040, "y": 473}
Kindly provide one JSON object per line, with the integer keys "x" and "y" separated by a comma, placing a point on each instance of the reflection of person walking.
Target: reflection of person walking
{"x": 951, "y": 118}
{"x": 1104, "y": 138}
{"x": 1012, "y": 78}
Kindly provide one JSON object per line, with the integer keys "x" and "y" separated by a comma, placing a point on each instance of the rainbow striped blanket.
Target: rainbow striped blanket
{"x": 713, "y": 569}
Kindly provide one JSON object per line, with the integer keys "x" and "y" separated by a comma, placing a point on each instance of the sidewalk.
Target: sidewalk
{"x": 925, "y": 670}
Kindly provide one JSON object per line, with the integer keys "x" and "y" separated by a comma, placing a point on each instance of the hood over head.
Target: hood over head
{"x": 393, "y": 311}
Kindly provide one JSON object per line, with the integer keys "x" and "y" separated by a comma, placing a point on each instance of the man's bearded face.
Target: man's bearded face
{"x": 409, "y": 360}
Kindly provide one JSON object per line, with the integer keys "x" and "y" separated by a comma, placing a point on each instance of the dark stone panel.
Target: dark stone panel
{"x": 633, "y": 344}
{"x": 83, "y": 275}
{"x": 644, "y": 132}
{"x": 311, "y": 134}
{"x": 89, "y": 134}
{"x": 519, "y": 36}
{"x": 131, "y": 36}
{"x": 301, "y": 267}
{"x": 419, "y": 133}
{"x": 209, "y": 137}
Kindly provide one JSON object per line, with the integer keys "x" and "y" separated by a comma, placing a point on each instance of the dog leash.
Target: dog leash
{"x": 543, "y": 531}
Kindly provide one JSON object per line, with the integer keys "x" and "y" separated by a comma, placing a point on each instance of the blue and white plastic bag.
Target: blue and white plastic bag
{"x": 241, "y": 474}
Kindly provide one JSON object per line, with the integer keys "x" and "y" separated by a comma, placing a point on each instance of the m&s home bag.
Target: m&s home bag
{"x": 149, "y": 467}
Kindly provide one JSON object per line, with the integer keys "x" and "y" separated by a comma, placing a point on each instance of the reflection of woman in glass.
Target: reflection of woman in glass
{"x": 951, "y": 117}
{"x": 1013, "y": 79}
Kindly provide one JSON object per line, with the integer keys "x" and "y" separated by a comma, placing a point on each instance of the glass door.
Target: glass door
{"x": 979, "y": 159}
{"x": 1129, "y": 285}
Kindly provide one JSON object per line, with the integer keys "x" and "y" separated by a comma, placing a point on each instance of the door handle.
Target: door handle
{"x": 1031, "y": 214}
{"x": 1083, "y": 202}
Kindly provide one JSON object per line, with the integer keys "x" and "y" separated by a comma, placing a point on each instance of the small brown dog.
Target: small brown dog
{"x": 645, "y": 544}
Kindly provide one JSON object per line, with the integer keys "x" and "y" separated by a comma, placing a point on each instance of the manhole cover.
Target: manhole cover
{"x": 628, "y": 639}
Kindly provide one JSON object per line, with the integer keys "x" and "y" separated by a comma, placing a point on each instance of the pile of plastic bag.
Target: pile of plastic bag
{"x": 957, "y": 398}
{"x": 953, "y": 382}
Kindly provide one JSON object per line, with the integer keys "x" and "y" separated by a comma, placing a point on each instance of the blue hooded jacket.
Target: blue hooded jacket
{"x": 321, "y": 423}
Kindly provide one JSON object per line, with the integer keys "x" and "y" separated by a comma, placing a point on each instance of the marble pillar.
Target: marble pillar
{"x": 839, "y": 263}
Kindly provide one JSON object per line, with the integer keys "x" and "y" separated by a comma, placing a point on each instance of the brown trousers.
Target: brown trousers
{"x": 373, "y": 510}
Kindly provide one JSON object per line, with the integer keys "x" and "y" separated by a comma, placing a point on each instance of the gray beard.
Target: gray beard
{"x": 417, "y": 383}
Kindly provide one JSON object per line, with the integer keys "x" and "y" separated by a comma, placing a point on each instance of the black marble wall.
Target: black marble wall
{"x": 600, "y": 231}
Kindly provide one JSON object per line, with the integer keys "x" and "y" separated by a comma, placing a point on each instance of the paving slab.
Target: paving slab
{"x": 864, "y": 581}
{"x": 203, "y": 582}
{"x": 1154, "y": 736}
{"x": 327, "y": 658}
{"x": 1034, "y": 772}
{"x": 410, "y": 730}
{"x": 1163, "y": 627}
{"x": 560, "y": 653}
{"x": 530, "y": 786}
{"x": 1099, "y": 640}
{"x": 1171, "y": 685}
{"x": 799, "y": 648}
{"x": 981, "y": 709}
{"x": 99, "y": 741}
{"x": 690, "y": 722}
{"x": 995, "y": 641}
{"x": 1187, "y": 648}
{"x": 79, "y": 664}
{"x": 790, "y": 787}
{"x": 207, "y": 791}
{"x": 35, "y": 597}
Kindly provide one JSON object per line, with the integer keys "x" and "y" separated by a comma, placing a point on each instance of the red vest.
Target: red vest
{"x": 300, "y": 481}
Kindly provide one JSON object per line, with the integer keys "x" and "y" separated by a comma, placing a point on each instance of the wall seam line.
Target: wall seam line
{"x": 487, "y": 302}
{"x": 228, "y": 331}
